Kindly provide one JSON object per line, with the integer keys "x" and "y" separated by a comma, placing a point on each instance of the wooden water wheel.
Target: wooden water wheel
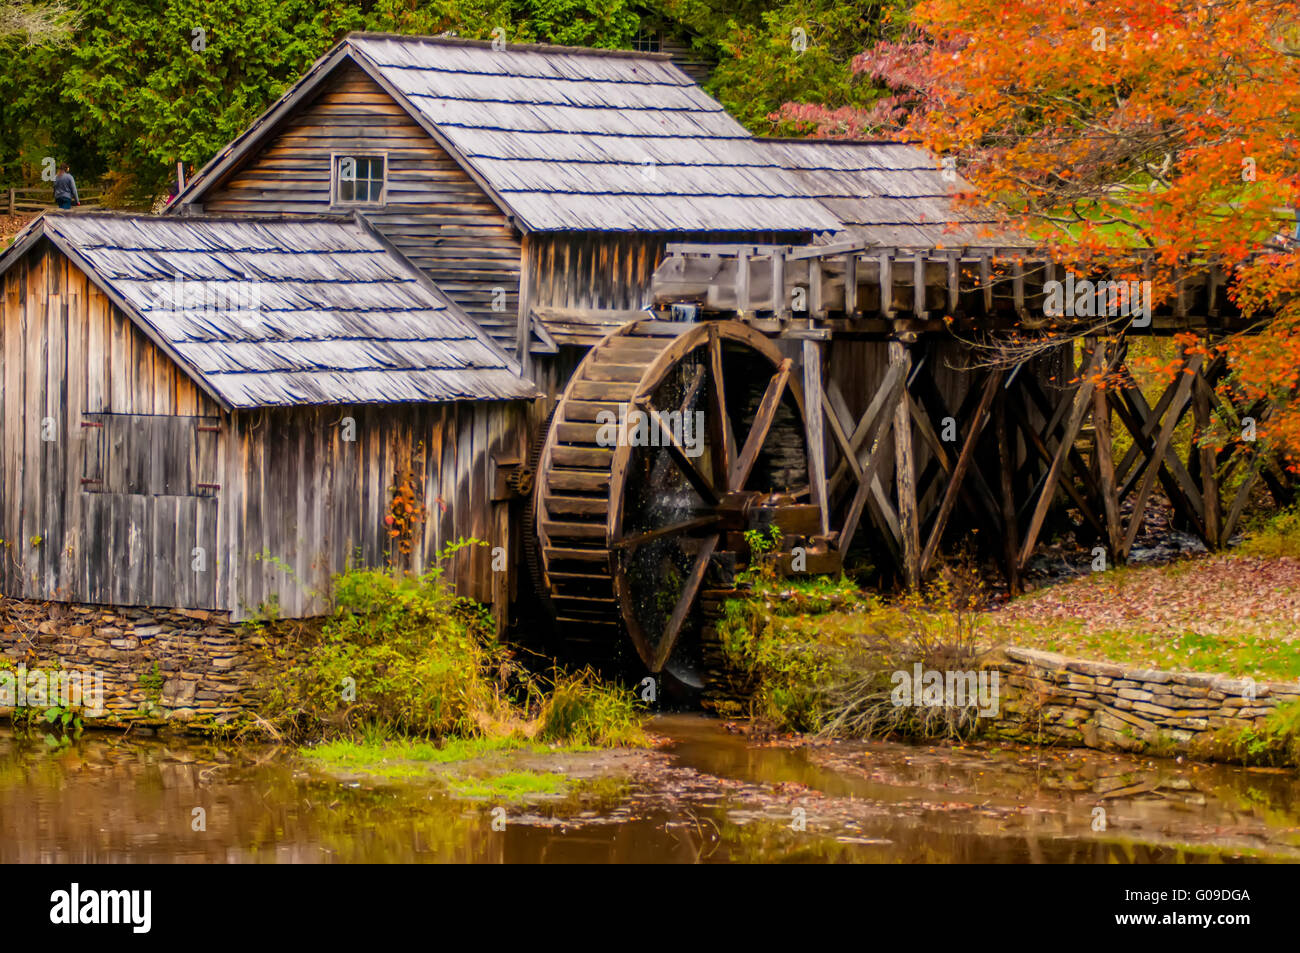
{"x": 667, "y": 438}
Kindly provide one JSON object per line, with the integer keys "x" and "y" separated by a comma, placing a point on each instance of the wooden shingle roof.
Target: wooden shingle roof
{"x": 889, "y": 193}
{"x": 273, "y": 312}
{"x": 576, "y": 139}
{"x": 568, "y": 139}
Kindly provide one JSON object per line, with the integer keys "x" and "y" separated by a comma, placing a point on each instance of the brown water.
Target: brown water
{"x": 708, "y": 796}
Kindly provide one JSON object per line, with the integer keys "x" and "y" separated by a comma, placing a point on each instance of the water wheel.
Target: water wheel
{"x": 667, "y": 437}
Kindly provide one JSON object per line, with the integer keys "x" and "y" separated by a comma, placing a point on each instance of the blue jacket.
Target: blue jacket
{"x": 65, "y": 187}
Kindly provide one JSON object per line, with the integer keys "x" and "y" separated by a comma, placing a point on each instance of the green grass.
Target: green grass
{"x": 581, "y": 710}
{"x": 511, "y": 786}
{"x": 485, "y": 761}
{"x": 374, "y": 757}
{"x": 1235, "y": 653}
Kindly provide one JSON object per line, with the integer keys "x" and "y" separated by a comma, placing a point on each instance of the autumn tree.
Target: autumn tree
{"x": 1104, "y": 125}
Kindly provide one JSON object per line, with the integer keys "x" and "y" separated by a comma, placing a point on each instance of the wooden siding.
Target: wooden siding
{"x": 592, "y": 270}
{"x": 291, "y": 503}
{"x": 435, "y": 213}
{"x": 611, "y": 269}
{"x": 304, "y": 503}
{"x": 69, "y": 355}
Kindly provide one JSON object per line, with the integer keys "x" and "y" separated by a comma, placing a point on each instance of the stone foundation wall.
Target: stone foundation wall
{"x": 158, "y": 665}
{"x": 1049, "y": 697}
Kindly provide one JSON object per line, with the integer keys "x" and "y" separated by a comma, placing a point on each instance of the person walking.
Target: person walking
{"x": 65, "y": 188}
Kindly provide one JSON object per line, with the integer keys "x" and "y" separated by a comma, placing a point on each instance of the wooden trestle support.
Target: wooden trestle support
{"x": 925, "y": 462}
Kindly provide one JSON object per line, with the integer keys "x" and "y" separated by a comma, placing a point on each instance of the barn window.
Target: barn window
{"x": 359, "y": 180}
{"x": 647, "y": 41}
{"x": 149, "y": 455}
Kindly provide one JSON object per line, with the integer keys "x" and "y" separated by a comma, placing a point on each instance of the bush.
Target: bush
{"x": 787, "y": 659}
{"x": 580, "y": 710}
{"x": 939, "y": 632}
{"x": 820, "y": 657}
{"x": 1277, "y": 536}
{"x": 402, "y": 655}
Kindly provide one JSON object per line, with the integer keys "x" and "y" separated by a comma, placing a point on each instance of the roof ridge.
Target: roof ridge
{"x": 509, "y": 47}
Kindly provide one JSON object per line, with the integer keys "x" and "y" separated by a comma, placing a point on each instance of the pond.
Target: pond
{"x": 707, "y": 794}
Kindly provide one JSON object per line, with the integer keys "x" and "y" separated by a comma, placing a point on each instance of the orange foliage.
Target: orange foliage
{"x": 405, "y": 512}
{"x": 1165, "y": 124}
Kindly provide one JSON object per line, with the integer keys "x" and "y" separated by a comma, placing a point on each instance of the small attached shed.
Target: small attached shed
{"x": 217, "y": 413}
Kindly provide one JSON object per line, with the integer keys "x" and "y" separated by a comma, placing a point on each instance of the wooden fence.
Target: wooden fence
{"x": 41, "y": 197}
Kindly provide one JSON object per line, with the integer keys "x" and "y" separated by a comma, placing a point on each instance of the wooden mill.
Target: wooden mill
{"x": 558, "y": 301}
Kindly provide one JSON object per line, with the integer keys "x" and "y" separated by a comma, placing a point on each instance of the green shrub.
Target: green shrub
{"x": 1274, "y": 742}
{"x": 402, "y": 654}
{"x": 1277, "y": 536}
{"x": 581, "y": 710}
{"x": 403, "y": 657}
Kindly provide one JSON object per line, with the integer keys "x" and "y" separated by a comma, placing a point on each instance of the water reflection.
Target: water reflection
{"x": 710, "y": 796}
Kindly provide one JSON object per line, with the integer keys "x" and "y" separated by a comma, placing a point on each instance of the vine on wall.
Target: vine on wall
{"x": 406, "y": 511}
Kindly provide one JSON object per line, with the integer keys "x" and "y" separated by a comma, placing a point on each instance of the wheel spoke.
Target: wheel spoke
{"x": 721, "y": 438}
{"x": 691, "y": 390}
{"x": 684, "y": 602}
{"x": 757, "y": 436}
{"x": 703, "y": 486}
{"x": 674, "y": 529}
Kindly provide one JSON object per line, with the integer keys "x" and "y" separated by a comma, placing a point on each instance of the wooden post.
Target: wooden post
{"x": 523, "y": 334}
{"x": 816, "y": 300}
{"x": 905, "y": 471}
{"x": 886, "y": 285}
{"x": 918, "y": 287}
{"x": 851, "y": 284}
{"x": 1078, "y": 410}
{"x": 780, "y": 300}
{"x": 1210, "y": 501}
{"x": 814, "y": 418}
{"x": 1105, "y": 460}
{"x": 1006, "y": 463}
{"x": 742, "y": 282}
{"x": 13, "y": 201}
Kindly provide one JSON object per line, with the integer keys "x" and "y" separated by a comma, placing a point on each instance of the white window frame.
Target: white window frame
{"x": 335, "y": 200}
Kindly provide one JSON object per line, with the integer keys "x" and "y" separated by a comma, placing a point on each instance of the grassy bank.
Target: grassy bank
{"x": 405, "y": 675}
{"x": 816, "y": 656}
{"x": 1232, "y": 613}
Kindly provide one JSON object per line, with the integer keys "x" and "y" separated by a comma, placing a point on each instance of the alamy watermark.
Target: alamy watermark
{"x": 638, "y": 428}
{"x": 37, "y": 688}
{"x": 1091, "y": 299}
{"x": 931, "y": 688}
{"x": 241, "y": 299}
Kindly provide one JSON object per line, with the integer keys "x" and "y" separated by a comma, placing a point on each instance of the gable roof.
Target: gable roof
{"x": 567, "y": 139}
{"x": 888, "y": 193}
{"x": 283, "y": 311}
